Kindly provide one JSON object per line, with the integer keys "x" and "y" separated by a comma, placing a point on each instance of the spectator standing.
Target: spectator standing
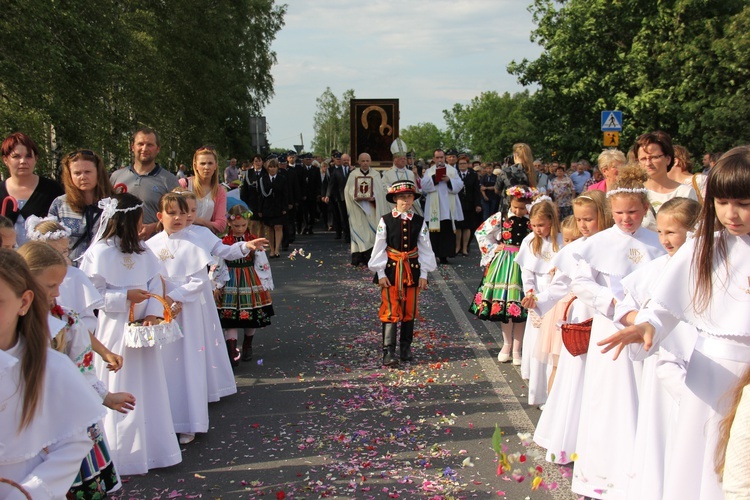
{"x": 86, "y": 182}
{"x": 610, "y": 161}
{"x": 516, "y": 170}
{"x": 211, "y": 197}
{"x": 250, "y": 194}
{"x": 490, "y": 199}
{"x": 563, "y": 192}
{"x": 181, "y": 174}
{"x": 33, "y": 193}
{"x": 145, "y": 178}
{"x": 471, "y": 206}
{"x": 231, "y": 173}
{"x": 579, "y": 177}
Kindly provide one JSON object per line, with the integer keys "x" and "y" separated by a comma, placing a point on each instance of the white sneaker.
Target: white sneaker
{"x": 187, "y": 437}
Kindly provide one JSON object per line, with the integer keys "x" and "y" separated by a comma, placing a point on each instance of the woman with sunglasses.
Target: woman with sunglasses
{"x": 212, "y": 199}
{"x": 24, "y": 193}
{"x": 86, "y": 182}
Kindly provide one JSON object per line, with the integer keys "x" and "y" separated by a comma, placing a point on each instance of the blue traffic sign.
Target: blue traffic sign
{"x": 611, "y": 121}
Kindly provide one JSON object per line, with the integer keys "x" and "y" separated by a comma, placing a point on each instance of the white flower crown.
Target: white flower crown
{"x": 627, "y": 190}
{"x": 33, "y": 234}
{"x": 540, "y": 199}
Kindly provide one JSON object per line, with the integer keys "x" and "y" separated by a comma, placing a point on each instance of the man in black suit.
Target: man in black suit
{"x": 288, "y": 172}
{"x": 250, "y": 194}
{"x": 471, "y": 205}
{"x": 335, "y": 195}
{"x": 323, "y": 209}
{"x": 310, "y": 183}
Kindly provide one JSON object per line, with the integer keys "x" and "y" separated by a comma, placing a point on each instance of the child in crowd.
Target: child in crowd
{"x": 77, "y": 293}
{"x": 244, "y": 301}
{"x": 535, "y": 260}
{"x": 70, "y": 337}
{"x": 610, "y": 389}
{"x": 549, "y": 344}
{"x": 662, "y": 379}
{"x": 219, "y": 376}
{"x": 7, "y": 233}
{"x": 125, "y": 273}
{"x": 499, "y": 295}
{"x": 185, "y": 260}
{"x": 557, "y": 429}
{"x": 48, "y": 406}
{"x": 705, "y": 285}
{"x": 401, "y": 258}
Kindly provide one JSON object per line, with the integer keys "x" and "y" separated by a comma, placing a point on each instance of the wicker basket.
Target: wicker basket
{"x": 576, "y": 336}
{"x": 137, "y": 335}
{"x": 16, "y": 486}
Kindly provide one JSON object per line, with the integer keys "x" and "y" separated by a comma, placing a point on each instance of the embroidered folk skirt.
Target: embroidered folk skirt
{"x": 244, "y": 303}
{"x": 499, "y": 295}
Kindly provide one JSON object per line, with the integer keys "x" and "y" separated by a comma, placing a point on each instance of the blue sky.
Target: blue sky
{"x": 428, "y": 54}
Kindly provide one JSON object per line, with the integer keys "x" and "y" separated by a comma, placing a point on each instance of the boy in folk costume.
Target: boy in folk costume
{"x": 402, "y": 256}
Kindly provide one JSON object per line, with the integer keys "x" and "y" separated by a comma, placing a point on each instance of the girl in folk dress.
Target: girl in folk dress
{"x": 125, "y": 273}
{"x": 499, "y": 295}
{"x": 663, "y": 375}
{"x": 245, "y": 300}
{"x": 705, "y": 285}
{"x": 535, "y": 260}
{"x": 41, "y": 451}
{"x": 610, "y": 390}
{"x": 557, "y": 430}
{"x": 70, "y": 337}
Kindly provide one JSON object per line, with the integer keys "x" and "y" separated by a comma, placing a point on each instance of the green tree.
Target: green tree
{"x": 423, "y": 139}
{"x": 675, "y": 65}
{"x": 331, "y": 122}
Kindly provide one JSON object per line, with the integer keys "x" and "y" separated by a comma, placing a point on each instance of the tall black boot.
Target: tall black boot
{"x": 247, "y": 348}
{"x": 233, "y": 352}
{"x": 407, "y": 335}
{"x": 389, "y": 345}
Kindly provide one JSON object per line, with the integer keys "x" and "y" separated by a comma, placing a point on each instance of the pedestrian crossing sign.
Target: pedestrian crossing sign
{"x": 611, "y": 139}
{"x": 611, "y": 121}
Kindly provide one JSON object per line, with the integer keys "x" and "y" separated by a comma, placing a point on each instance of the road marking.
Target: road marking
{"x": 511, "y": 406}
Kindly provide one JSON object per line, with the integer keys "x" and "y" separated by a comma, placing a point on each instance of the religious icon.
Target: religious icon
{"x": 363, "y": 188}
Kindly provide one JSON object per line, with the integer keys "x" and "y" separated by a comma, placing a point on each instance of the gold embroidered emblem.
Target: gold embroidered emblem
{"x": 635, "y": 255}
{"x": 546, "y": 256}
{"x": 128, "y": 262}
{"x": 747, "y": 290}
{"x": 165, "y": 254}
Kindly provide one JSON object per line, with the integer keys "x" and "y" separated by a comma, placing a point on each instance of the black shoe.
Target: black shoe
{"x": 233, "y": 352}
{"x": 247, "y": 350}
{"x": 338, "y": 237}
{"x": 444, "y": 260}
{"x": 405, "y": 352}
{"x": 347, "y": 240}
{"x": 389, "y": 356}
{"x": 310, "y": 232}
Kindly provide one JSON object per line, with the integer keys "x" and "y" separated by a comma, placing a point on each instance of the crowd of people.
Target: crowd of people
{"x": 154, "y": 284}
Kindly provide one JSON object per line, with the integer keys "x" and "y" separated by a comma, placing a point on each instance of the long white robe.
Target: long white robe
{"x": 364, "y": 215}
{"x": 610, "y": 389}
{"x": 45, "y": 456}
{"x": 144, "y": 438}
{"x": 442, "y": 201}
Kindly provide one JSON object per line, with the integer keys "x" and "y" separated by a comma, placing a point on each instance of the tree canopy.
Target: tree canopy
{"x": 86, "y": 74}
{"x": 331, "y": 122}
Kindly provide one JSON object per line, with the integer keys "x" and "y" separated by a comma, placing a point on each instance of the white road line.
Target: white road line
{"x": 512, "y": 407}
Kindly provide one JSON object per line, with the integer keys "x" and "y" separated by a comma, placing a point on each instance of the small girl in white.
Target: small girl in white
{"x": 535, "y": 260}
{"x": 125, "y": 273}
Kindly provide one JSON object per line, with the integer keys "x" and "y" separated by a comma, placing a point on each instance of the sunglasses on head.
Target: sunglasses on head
{"x": 81, "y": 152}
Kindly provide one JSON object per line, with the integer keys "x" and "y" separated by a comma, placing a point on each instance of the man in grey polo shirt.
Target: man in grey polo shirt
{"x": 145, "y": 179}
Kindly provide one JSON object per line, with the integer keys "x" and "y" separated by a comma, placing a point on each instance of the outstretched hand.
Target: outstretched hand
{"x": 258, "y": 244}
{"x": 642, "y": 333}
{"x": 120, "y": 401}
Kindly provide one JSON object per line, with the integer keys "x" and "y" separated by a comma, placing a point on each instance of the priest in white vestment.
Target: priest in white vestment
{"x": 366, "y": 203}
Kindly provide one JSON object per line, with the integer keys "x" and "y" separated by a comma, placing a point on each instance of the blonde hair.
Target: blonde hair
{"x": 733, "y": 397}
{"x": 609, "y": 158}
{"x": 630, "y": 181}
{"x": 185, "y": 193}
{"x": 548, "y": 211}
{"x": 213, "y": 181}
{"x": 527, "y": 161}
{"x": 40, "y": 256}
{"x": 50, "y": 226}
{"x": 598, "y": 200}
{"x": 569, "y": 224}
{"x": 684, "y": 210}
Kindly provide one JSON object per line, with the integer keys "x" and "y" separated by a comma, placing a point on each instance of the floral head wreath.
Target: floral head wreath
{"x": 33, "y": 233}
{"x": 627, "y": 190}
{"x": 244, "y": 215}
{"x": 522, "y": 193}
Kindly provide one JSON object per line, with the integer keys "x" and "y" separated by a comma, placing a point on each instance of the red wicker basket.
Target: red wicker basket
{"x": 576, "y": 336}
{"x": 16, "y": 486}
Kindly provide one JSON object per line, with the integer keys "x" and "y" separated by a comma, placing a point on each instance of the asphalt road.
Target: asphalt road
{"x": 316, "y": 416}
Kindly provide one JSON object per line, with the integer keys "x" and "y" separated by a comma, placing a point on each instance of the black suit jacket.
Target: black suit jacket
{"x": 249, "y": 190}
{"x": 310, "y": 182}
{"x": 276, "y": 203}
{"x": 337, "y": 184}
{"x": 470, "y": 195}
